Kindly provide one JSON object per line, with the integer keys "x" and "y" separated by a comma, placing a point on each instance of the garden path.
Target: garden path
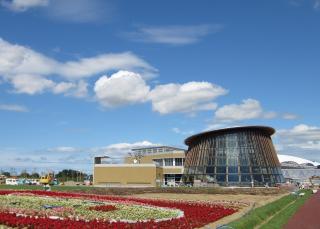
{"x": 307, "y": 217}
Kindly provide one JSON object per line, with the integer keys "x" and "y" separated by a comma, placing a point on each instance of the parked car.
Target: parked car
{"x": 12, "y": 181}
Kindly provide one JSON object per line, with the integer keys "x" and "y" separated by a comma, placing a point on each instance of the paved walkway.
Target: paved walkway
{"x": 308, "y": 216}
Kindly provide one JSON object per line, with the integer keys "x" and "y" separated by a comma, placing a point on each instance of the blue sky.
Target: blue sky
{"x": 80, "y": 78}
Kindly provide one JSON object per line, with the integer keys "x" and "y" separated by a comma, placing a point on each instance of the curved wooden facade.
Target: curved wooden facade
{"x": 240, "y": 156}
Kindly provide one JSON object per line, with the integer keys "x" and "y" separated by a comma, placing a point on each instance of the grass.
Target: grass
{"x": 279, "y": 220}
{"x": 259, "y": 215}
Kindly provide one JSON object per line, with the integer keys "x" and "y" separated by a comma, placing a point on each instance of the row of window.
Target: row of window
{"x": 155, "y": 150}
{"x": 235, "y": 178}
{"x": 232, "y": 169}
{"x": 170, "y": 161}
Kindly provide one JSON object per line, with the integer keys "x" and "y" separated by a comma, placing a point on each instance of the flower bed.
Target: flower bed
{"x": 39, "y": 209}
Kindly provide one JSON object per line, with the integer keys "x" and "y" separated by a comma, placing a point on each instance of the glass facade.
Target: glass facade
{"x": 242, "y": 156}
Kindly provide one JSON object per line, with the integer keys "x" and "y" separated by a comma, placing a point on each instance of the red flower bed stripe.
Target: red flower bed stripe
{"x": 195, "y": 214}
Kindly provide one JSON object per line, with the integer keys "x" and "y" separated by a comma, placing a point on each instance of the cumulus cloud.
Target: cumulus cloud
{"x": 173, "y": 34}
{"x": 301, "y": 136}
{"x": 30, "y": 84}
{"x": 121, "y": 88}
{"x": 78, "y": 90}
{"x": 31, "y": 72}
{"x": 35, "y": 84}
{"x": 13, "y": 107}
{"x": 179, "y": 131}
{"x": 23, "y": 5}
{"x": 301, "y": 140}
{"x": 17, "y": 59}
{"x": 187, "y": 98}
{"x": 248, "y": 109}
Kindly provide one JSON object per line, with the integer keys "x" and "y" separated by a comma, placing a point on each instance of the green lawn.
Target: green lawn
{"x": 258, "y": 216}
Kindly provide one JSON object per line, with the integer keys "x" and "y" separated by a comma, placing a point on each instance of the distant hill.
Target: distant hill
{"x": 298, "y": 160}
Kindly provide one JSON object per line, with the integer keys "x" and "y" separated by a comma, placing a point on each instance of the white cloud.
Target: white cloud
{"x": 31, "y": 84}
{"x": 289, "y": 116}
{"x": 63, "y": 87}
{"x": 316, "y": 4}
{"x": 78, "y": 90}
{"x": 16, "y": 59}
{"x": 187, "y": 98}
{"x": 121, "y": 88}
{"x": 301, "y": 137}
{"x": 66, "y": 157}
{"x": 64, "y": 149}
{"x": 179, "y": 131}
{"x": 87, "y": 67}
{"x": 76, "y": 11}
{"x": 13, "y": 107}
{"x": 248, "y": 109}
{"x": 174, "y": 34}
{"x": 301, "y": 140}
{"x": 23, "y": 5}
{"x": 80, "y": 11}
{"x": 31, "y": 72}
{"x": 35, "y": 84}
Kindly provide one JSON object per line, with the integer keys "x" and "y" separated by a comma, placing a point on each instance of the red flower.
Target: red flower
{"x": 195, "y": 214}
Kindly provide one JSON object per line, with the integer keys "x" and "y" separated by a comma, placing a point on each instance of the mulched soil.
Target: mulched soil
{"x": 308, "y": 216}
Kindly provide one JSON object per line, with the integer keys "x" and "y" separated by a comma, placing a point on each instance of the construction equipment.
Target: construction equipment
{"x": 48, "y": 179}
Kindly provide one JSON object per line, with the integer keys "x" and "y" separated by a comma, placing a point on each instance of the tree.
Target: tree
{"x": 70, "y": 174}
{"x": 7, "y": 174}
{"x": 35, "y": 175}
{"x": 24, "y": 174}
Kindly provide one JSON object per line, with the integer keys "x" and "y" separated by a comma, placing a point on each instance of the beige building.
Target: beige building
{"x": 143, "y": 167}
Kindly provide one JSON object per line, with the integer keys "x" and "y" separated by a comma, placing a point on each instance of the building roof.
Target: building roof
{"x": 298, "y": 160}
{"x": 268, "y": 130}
{"x": 156, "y": 147}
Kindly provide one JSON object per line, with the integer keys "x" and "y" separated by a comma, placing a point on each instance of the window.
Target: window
{"x": 257, "y": 178}
{"x": 179, "y": 161}
{"x": 233, "y": 178}
{"x": 246, "y": 178}
{"x": 158, "y": 162}
{"x": 244, "y": 169}
{"x": 210, "y": 170}
{"x": 233, "y": 169}
{"x": 221, "y": 178}
{"x": 221, "y": 169}
{"x": 168, "y": 161}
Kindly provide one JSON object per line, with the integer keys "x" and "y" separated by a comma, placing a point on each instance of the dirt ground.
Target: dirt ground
{"x": 247, "y": 202}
